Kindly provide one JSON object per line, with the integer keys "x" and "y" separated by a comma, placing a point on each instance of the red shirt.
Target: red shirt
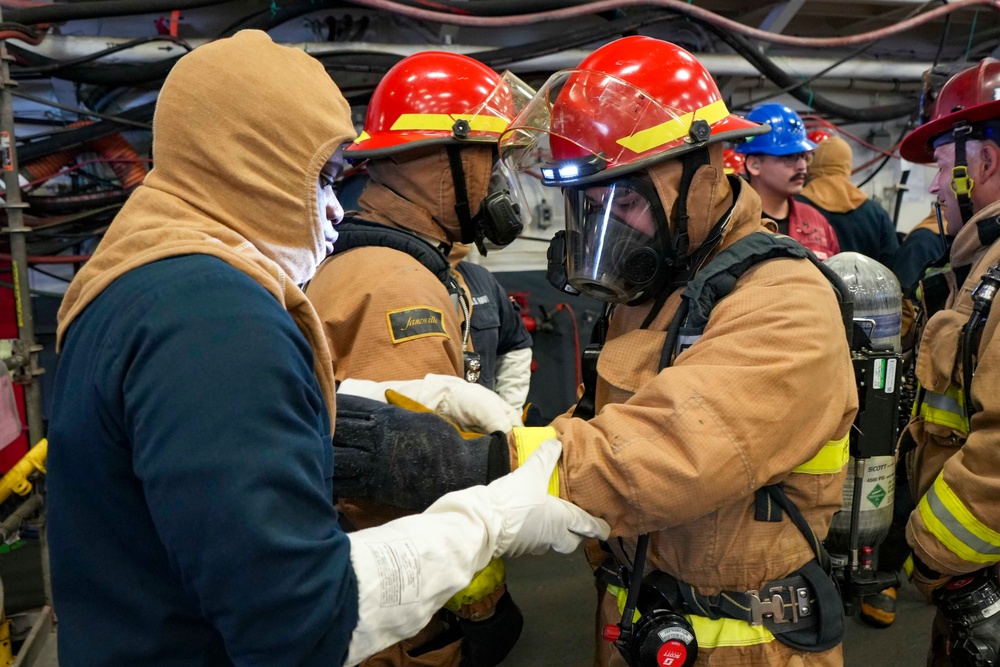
{"x": 808, "y": 226}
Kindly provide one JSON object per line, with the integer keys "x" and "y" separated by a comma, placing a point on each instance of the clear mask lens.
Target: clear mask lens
{"x": 612, "y": 241}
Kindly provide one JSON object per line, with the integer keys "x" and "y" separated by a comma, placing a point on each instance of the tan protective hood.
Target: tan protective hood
{"x": 829, "y": 185}
{"x": 242, "y": 128}
{"x": 459, "y": 251}
{"x": 709, "y": 196}
{"x": 416, "y": 192}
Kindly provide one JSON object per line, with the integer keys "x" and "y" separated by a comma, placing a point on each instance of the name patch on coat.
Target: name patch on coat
{"x": 412, "y": 323}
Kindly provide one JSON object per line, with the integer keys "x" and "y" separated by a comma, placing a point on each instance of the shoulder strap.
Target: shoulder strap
{"x": 356, "y": 233}
{"x": 718, "y": 279}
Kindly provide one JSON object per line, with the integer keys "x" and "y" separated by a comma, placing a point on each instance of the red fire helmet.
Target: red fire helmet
{"x": 629, "y": 104}
{"x": 434, "y": 97}
{"x": 732, "y": 161}
{"x": 819, "y": 135}
{"x": 972, "y": 96}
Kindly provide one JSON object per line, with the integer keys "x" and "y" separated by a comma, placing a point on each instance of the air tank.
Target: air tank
{"x": 878, "y": 311}
{"x": 878, "y": 300}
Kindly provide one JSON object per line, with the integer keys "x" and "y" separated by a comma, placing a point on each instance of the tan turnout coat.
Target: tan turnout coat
{"x": 679, "y": 453}
{"x": 968, "y": 465}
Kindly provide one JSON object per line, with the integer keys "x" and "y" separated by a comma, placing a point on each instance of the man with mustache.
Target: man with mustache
{"x": 776, "y": 166}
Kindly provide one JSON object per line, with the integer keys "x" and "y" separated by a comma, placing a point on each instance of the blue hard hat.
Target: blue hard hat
{"x": 787, "y": 135}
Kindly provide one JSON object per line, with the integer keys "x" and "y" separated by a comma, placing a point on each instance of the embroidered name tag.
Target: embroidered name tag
{"x": 412, "y": 323}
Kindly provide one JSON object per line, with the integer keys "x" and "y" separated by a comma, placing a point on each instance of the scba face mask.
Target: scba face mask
{"x": 615, "y": 240}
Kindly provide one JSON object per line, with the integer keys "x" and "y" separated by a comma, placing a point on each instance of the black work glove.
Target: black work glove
{"x": 408, "y": 459}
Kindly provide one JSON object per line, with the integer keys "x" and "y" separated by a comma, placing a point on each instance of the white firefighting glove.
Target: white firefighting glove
{"x": 408, "y": 568}
{"x": 470, "y": 406}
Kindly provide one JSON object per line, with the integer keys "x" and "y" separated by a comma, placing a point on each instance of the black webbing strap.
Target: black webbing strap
{"x": 778, "y": 500}
{"x": 586, "y": 407}
{"x": 462, "y": 208}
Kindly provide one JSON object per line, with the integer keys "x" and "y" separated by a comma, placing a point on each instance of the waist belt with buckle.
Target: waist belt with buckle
{"x": 783, "y": 605}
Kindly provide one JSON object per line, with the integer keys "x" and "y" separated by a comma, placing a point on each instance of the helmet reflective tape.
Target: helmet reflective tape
{"x": 673, "y": 129}
{"x": 956, "y": 527}
{"x": 445, "y": 122}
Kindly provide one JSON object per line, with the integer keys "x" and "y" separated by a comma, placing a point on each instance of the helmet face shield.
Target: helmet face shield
{"x": 582, "y": 123}
{"x": 614, "y": 239}
{"x": 498, "y": 108}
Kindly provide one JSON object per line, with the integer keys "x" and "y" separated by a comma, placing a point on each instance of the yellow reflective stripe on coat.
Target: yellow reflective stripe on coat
{"x": 710, "y": 633}
{"x": 830, "y": 460}
{"x": 445, "y": 122}
{"x": 951, "y": 522}
{"x": 727, "y": 632}
{"x": 947, "y": 409}
{"x": 527, "y": 439}
{"x": 673, "y": 129}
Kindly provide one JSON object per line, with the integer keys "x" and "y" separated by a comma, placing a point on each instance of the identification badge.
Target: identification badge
{"x": 413, "y": 323}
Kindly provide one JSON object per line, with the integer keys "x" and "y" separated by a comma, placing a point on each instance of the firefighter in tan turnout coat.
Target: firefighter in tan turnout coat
{"x": 951, "y": 442}
{"x": 691, "y": 426}
{"x": 386, "y": 299}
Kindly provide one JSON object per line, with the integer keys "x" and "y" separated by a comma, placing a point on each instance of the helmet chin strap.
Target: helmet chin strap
{"x": 462, "y": 208}
{"x": 961, "y": 182}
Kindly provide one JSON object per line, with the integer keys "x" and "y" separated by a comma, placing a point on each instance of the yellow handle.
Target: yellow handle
{"x": 407, "y": 403}
{"x": 16, "y": 479}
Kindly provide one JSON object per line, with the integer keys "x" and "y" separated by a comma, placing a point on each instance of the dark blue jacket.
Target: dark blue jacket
{"x": 867, "y": 229}
{"x": 920, "y": 249}
{"x": 497, "y": 327}
{"x": 191, "y": 519}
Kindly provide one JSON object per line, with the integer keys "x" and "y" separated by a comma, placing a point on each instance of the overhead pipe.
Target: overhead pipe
{"x": 65, "y": 47}
{"x": 678, "y": 7}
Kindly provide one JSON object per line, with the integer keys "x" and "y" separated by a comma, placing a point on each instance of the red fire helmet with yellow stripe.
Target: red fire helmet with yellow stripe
{"x": 435, "y": 97}
{"x": 631, "y": 103}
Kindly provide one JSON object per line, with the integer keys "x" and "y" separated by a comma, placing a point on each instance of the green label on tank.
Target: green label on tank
{"x": 878, "y": 374}
{"x": 877, "y": 495}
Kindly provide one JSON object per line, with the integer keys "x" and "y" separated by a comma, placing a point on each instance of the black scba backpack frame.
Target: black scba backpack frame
{"x": 805, "y": 609}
